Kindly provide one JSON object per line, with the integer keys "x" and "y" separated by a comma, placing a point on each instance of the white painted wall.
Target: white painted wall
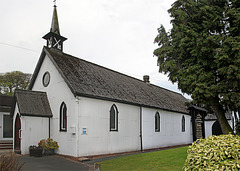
{"x": 95, "y": 116}
{"x": 208, "y": 128}
{"x": 33, "y": 130}
{"x": 58, "y": 92}
{"x": 170, "y": 129}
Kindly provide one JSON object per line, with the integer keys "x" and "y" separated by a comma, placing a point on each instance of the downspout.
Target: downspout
{"x": 141, "y": 139}
{"x": 49, "y": 127}
{"x": 77, "y": 126}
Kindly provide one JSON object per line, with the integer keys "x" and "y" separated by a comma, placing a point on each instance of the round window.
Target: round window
{"x": 46, "y": 79}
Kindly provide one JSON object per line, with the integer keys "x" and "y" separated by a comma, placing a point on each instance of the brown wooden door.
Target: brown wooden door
{"x": 17, "y": 140}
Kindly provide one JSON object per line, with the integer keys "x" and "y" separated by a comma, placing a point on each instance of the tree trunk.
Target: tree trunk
{"x": 220, "y": 114}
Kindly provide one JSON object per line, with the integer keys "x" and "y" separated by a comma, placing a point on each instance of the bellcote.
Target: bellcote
{"x": 54, "y": 38}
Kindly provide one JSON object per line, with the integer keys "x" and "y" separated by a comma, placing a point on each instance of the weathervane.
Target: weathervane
{"x": 54, "y": 2}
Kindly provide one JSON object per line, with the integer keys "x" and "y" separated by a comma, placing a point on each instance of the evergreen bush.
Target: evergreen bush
{"x": 214, "y": 153}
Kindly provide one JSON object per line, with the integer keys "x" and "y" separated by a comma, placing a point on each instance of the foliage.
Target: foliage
{"x": 214, "y": 153}
{"x": 47, "y": 144}
{"x": 171, "y": 159}
{"x": 201, "y": 53}
{"x": 10, "y": 163}
{"x": 13, "y": 80}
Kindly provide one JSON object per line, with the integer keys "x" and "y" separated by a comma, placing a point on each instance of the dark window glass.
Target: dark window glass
{"x": 183, "y": 124}
{"x": 157, "y": 122}
{"x": 63, "y": 117}
{"x": 113, "y": 118}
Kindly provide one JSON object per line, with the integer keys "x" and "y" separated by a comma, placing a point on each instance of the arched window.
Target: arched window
{"x": 63, "y": 117}
{"x": 113, "y": 118}
{"x": 183, "y": 124}
{"x": 157, "y": 122}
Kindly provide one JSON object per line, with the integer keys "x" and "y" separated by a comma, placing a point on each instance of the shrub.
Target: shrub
{"x": 10, "y": 163}
{"x": 48, "y": 144}
{"x": 214, "y": 153}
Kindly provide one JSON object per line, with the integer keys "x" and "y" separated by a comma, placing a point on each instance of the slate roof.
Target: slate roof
{"x": 90, "y": 80}
{"x": 5, "y": 103}
{"x": 197, "y": 108}
{"x": 32, "y": 103}
{"x": 5, "y": 100}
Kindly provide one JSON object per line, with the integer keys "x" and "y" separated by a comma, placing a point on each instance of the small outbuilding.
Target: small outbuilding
{"x": 31, "y": 114}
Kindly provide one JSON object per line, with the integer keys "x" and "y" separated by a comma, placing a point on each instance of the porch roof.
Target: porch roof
{"x": 31, "y": 103}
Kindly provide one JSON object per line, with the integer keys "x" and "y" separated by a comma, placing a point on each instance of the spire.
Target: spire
{"x": 54, "y": 39}
{"x": 55, "y": 25}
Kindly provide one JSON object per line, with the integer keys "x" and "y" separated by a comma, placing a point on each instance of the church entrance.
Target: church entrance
{"x": 17, "y": 138}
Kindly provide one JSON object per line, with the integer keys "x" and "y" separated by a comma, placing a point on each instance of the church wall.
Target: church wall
{"x": 58, "y": 92}
{"x": 208, "y": 128}
{"x": 33, "y": 130}
{"x": 94, "y": 115}
{"x": 170, "y": 129}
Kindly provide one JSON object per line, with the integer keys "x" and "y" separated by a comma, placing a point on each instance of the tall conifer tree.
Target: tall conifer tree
{"x": 201, "y": 53}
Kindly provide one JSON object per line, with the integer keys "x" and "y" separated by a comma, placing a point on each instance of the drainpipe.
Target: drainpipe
{"x": 141, "y": 141}
{"x": 77, "y": 126}
{"x": 49, "y": 131}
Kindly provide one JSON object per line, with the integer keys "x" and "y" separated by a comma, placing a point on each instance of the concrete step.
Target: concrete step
{"x": 6, "y": 144}
{"x": 6, "y": 147}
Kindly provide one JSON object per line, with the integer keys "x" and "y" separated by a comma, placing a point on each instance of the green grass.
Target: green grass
{"x": 172, "y": 159}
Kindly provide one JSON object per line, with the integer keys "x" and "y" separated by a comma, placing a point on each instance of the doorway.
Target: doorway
{"x": 17, "y": 139}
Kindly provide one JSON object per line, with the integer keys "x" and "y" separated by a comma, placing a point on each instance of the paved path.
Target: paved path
{"x": 51, "y": 163}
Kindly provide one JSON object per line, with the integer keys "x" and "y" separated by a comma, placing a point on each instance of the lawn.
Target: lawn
{"x": 172, "y": 159}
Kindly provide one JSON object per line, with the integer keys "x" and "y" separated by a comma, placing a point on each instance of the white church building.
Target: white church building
{"x": 91, "y": 110}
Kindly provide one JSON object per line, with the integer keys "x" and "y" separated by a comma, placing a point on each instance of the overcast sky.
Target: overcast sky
{"x": 117, "y": 34}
